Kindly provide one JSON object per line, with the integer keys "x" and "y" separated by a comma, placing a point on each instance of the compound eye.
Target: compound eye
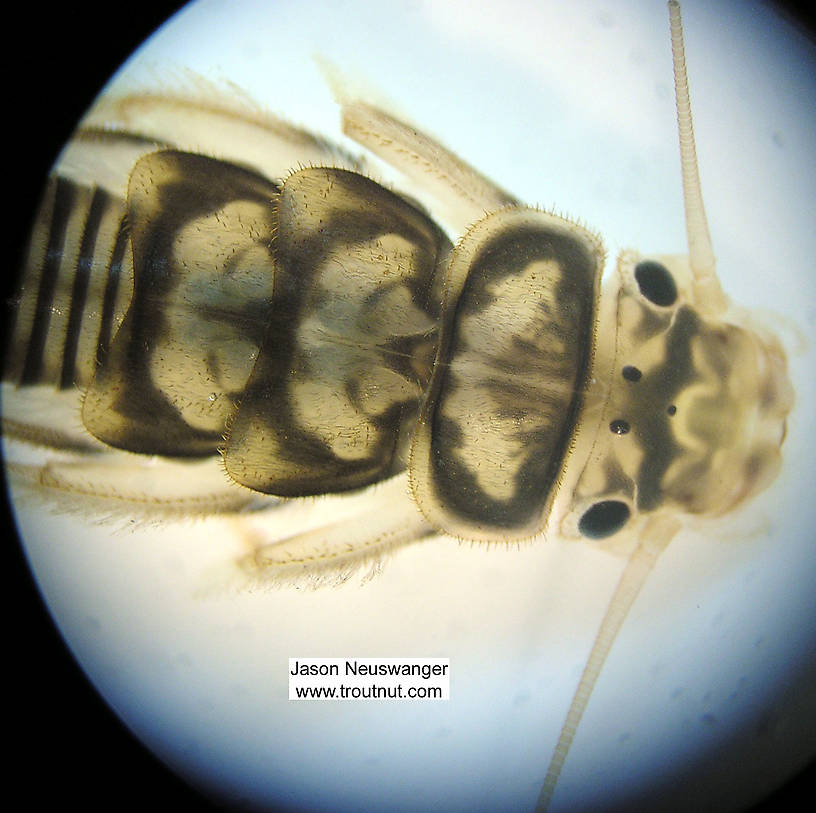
{"x": 604, "y": 519}
{"x": 656, "y": 283}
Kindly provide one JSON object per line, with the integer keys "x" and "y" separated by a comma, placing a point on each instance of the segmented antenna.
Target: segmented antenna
{"x": 709, "y": 297}
{"x": 638, "y": 569}
{"x": 708, "y": 292}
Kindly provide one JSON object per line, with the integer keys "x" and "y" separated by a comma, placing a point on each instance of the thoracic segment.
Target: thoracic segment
{"x": 301, "y": 323}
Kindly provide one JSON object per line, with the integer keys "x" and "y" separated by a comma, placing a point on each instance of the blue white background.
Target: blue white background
{"x": 568, "y": 105}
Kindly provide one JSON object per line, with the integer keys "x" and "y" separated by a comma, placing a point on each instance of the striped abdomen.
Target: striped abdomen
{"x": 77, "y": 283}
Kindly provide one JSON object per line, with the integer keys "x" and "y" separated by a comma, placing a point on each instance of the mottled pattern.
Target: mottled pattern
{"x": 336, "y": 390}
{"x": 703, "y": 402}
{"x": 514, "y": 358}
{"x": 323, "y": 334}
{"x": 200, "y": 231}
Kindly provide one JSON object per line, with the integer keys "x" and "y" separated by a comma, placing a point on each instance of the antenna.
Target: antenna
{"x": 655, "y": 535}
{"x": 708, "y": 292}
